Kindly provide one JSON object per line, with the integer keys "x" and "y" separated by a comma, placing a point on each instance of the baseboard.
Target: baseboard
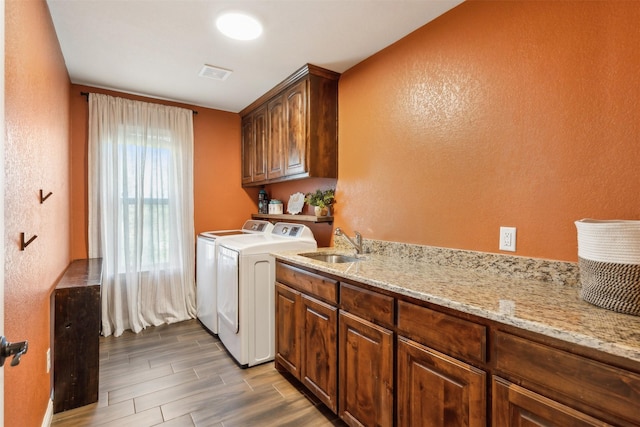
{"x": 48, "y": 416}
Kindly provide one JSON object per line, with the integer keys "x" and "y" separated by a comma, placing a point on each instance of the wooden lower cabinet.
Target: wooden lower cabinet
{"x": 306, "y": 342}
{"x": 516, "y": 406}
{"x": 437, "y": 390}
{"x": 366, "y": 372}
{"x": 575, "y": 386}
{"x": 318, "y": 366}
{"x": 288, "y": 329}
{"x": 377, "y": 359}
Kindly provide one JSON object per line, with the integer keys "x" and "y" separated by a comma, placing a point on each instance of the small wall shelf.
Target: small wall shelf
{"x": 299, "y": 218}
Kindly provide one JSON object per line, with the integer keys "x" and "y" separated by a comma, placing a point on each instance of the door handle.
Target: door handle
{"x": 16, "y": 349}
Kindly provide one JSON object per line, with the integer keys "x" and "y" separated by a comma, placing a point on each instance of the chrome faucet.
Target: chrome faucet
{"x": 358, "y": 239}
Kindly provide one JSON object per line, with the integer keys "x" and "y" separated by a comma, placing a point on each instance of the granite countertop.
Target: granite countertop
{"x": 551, "y": 307}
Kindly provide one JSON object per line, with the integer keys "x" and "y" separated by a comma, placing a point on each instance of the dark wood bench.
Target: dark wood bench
{"x": 75, "y": 320}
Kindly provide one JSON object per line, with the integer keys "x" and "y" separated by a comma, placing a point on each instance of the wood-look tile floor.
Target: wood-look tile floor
{"x": 180, "y": 375}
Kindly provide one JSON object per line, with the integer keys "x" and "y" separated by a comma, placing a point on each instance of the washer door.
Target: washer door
{"x": 228, "y": 267}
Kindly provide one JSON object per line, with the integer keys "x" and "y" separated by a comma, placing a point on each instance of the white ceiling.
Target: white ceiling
{"x": 157, "y": 48}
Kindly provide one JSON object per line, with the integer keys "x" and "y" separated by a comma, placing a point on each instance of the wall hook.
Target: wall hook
{"x": 24, "y": 244}
{"x": 43, "y": 197}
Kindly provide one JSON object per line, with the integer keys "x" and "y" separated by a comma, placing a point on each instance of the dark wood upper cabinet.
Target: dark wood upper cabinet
{"x": 260, "y": 140}
{"x": 296, "y": 121}
{"x": 277, "y": 131}
{"x": 294, "y": 129}
{"x": 247, "y": 150}
{"x": 254, "y": 146}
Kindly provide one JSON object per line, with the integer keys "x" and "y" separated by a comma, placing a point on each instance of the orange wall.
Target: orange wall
{"x": 36, "y": 157}
{"x": 507, "y": 113}
{"x": 220, "y": 202}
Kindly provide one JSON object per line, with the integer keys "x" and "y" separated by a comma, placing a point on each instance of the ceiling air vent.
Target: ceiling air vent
{"x": 215, "y": 73}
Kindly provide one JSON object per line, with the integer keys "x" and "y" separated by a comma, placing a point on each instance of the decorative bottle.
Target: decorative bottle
{"x": 263, "y": 202}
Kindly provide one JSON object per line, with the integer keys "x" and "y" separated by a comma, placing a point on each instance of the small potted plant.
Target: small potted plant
{"x": 321, "y": 200}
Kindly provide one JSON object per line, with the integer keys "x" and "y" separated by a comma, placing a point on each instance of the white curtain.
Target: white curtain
{"x": 141, "y": 211}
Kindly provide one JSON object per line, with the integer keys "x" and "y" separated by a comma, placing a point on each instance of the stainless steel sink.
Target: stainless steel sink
{"x": 331, "y": 258}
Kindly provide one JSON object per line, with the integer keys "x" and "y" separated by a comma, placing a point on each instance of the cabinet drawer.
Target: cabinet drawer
{"x": 445, "y": 333}
{"x": 313, "y": 284}
{"x": 590, "y": 383}
{"x": 367, "y": 304}
{"x": 514, "y": 405}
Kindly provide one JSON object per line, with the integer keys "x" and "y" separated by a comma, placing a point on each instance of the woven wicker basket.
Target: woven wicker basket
{"x": 609, "y": 261}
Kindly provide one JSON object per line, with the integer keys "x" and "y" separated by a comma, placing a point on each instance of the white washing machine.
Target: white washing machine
{"x": 246, "y": 288}
{"x": 206, "y": 293}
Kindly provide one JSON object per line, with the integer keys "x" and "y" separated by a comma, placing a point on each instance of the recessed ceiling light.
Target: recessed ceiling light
{"x": 239, "y": 26}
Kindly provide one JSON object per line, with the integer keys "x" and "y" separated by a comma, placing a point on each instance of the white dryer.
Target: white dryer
{"x": 206, "y": 292}
{"x": 246, "y": 290}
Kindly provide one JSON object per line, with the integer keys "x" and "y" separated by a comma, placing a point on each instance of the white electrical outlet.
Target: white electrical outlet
{"x": 508, "y": 239}
{"x": 48, "y": 360}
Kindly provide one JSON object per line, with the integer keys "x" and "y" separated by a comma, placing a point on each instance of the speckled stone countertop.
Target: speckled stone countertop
{"x": 532, "y": 294}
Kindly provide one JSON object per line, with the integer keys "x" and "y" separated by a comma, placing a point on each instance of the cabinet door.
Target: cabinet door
{"x": 517, "y": 406}
{"x": 318, "y": 368}
{"x": 288, "y": 329}
{"x": 247, "y": 150}
{"x": 437, "y": 390}
{"x": 260, "y": 145}
{"x": 296, "y": 145}
{"x": 366, "y": 372}
{"x": 277, "y": 136}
